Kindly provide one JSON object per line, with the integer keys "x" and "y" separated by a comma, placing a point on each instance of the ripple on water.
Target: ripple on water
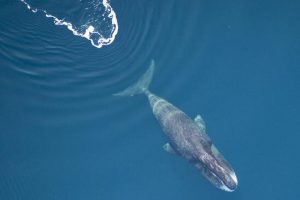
{"x": 58, "y": 70}
{"x": 56, "y": 80}
{"x": 95, "y": 20}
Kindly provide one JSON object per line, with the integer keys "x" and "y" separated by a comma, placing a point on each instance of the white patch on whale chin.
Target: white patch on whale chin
{"x": 224, "y": 187}
{"x": 234, "y": 178}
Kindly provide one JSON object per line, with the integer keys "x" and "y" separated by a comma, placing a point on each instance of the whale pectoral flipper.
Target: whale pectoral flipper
{"x": 168, "y": 148}
{"x": 200, "y": 122}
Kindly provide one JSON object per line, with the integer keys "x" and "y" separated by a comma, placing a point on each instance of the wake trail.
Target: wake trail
{"x": 98, "y": 22}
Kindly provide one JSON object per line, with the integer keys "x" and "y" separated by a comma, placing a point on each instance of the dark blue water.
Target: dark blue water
{"x": 64, "y": 136}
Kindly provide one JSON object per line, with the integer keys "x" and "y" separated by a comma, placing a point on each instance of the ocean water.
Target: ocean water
{"x": 64, "y": 136}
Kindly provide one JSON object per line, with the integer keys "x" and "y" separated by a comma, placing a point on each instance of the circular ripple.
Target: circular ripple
{"x": 59, "y": 71}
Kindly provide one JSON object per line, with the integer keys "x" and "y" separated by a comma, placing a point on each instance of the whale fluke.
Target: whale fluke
{"x": 141, "y": 86}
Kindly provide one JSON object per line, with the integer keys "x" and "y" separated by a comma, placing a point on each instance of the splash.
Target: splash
{"x": 98, "y": 22}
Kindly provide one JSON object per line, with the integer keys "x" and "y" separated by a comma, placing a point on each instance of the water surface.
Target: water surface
{"x": 64, "y": 136}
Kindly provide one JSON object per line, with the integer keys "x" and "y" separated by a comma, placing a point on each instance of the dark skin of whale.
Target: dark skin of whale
{"x": 190, "y": 141}
{"x": 188, "y": 137}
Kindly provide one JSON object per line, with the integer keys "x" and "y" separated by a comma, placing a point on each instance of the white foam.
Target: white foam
{"x": 27, "y": 5}
{"x": 90, "y": 30}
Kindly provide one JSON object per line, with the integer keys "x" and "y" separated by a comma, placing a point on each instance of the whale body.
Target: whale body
{"x": 188, "y": 137}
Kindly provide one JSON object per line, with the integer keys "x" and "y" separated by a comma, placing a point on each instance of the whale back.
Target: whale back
{"x": 184, "y": 134}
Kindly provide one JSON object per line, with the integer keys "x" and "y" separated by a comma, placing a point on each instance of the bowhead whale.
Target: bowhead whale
{"x": 187, "y": 137}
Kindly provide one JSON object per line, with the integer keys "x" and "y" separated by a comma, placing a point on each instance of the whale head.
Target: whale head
{"x": 217, "y": 170}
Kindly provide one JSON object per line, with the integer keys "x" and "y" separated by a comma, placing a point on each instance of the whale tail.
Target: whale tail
{"x": 141, "y": 86}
